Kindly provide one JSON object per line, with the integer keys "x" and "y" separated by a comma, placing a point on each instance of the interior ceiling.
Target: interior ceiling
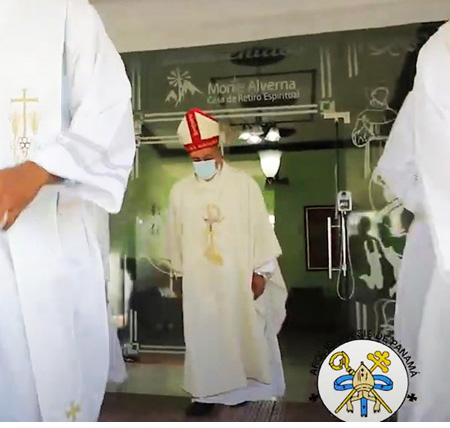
{"x": 141, "y": 25}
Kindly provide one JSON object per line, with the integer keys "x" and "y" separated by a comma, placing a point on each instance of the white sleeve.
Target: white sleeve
{"x": 265, "y": 243}
{"x": 397, "y": 167}
{"x": 95, "y": 155}
{"x": 268, "y": 269}
{"x": 432, "y": 140}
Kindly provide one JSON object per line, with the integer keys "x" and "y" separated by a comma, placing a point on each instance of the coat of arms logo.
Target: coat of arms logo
{"x": 373, "y": 385}
{"x": 180, "y": 82}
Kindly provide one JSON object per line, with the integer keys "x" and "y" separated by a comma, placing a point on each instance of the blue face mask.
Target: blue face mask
{"x": 205, "y": 169}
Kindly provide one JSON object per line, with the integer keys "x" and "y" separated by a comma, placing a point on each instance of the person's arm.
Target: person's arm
{"x": 265, "y": 243}
{"x": 260, "y": 277}
{"x": 397, "y": 168}
{"x": 432, "y": 142}
{"x": 266, "y": 248}
{"x": 267, "y": 270}
{"x": 18, "y": 188}
{"x": 94, "y": 156}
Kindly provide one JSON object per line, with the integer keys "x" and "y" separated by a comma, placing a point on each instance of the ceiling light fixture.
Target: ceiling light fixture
{"x": 245, "y": 134}
{"x": 270, "y": 162}
{"x": 254, "y": 139}
{"x": 273, "y": 135}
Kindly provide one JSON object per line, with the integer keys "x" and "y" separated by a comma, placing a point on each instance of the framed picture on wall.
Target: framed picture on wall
{"x": 316, "y": 238}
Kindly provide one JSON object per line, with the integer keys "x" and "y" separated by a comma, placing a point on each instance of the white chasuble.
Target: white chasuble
{"x": 218, "y": 234}
{"x": 64, "y": 104}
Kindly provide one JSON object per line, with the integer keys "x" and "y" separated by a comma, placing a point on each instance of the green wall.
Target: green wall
{"x": 311, "y": 183}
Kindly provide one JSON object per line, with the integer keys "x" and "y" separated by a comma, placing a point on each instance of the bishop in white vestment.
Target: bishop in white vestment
{"x": 66, "y": 138}
{"x": 222, "y": 244}
{"x": 415, "y": 169}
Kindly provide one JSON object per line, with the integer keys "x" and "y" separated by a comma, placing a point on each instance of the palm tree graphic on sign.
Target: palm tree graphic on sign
{"x": 182, "y": 85}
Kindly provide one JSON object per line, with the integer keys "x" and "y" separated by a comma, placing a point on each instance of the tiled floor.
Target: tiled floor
{"x": 153, "y": 390}
{"x": 163, "y": 374}
{"x": 147, "y": 408}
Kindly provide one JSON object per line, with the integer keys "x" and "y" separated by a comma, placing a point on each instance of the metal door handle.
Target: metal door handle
{"x": 330, "y": 254}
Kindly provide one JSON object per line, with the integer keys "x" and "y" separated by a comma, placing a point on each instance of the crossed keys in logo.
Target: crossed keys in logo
{"x": 362, "y": 382}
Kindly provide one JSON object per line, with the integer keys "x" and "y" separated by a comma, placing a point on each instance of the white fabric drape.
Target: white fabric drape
{"x": 415, "y": 168}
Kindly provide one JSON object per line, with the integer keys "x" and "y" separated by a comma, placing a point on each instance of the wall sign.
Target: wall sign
{"x": 260, "y": 90}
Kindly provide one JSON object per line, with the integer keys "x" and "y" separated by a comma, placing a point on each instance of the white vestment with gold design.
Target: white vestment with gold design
{"x": 232, "y": 352}
{"x": 64, "y": 104}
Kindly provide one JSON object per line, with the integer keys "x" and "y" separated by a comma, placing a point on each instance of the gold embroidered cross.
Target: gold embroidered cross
{"x": 213, "y": 216}
{"x": 73, "y": 411}
{"x": 23, "y": 139}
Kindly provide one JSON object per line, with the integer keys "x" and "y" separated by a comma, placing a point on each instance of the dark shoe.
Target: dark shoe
{"x": 244, "y": 403}
{"x": 199, "y": 409}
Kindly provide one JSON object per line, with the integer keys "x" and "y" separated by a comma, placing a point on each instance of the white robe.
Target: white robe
{"x": 415, "y": 168}
{"x": 54, "y": 338}
{"x": 232, "y": 352}
{"x": 117, "y": 369}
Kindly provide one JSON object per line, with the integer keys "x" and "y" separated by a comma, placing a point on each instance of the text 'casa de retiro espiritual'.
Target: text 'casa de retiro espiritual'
{"x": 236, "y": 91}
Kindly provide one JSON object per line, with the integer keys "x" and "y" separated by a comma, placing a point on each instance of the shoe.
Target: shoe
{"x": 199, "y": 409}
